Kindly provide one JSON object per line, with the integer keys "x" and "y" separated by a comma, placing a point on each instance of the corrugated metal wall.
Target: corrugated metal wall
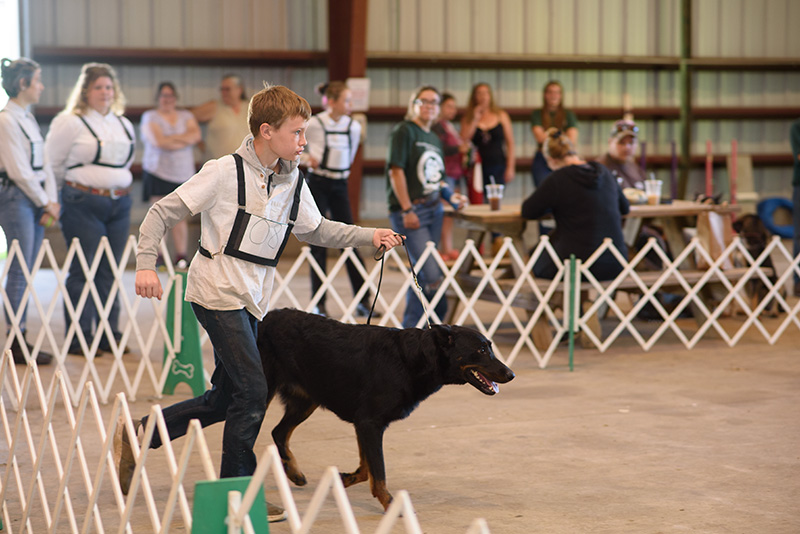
{"x": 187, "y": 24}
{"x": 228, "y": 24}
{"x": 558, "y": 27}
{"x": 638, "y": 28}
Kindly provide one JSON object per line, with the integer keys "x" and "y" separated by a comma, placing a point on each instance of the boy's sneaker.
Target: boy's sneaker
{"x": 124, "y": 453}
{"x": 275, "y": 513}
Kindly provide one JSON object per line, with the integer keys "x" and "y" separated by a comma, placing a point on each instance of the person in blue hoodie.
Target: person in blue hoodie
{"x": 587, "y": 204}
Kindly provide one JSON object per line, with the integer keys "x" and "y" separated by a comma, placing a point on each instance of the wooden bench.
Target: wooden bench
{"x": 528, "y": 300}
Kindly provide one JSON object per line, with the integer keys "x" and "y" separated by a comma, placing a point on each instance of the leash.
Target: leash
{"x": 380, "y": 255}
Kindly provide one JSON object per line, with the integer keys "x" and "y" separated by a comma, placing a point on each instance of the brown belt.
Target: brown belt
{"x": 113, "y": 193}
{"x": 427, "y": 199}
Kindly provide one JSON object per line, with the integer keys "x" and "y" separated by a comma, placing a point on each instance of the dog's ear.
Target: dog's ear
{"x": 444, "y": 334}
{"x": 737, "y": 226}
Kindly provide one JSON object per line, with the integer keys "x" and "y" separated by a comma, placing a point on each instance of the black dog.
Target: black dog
{"x": 367, "y": 375}
{"x": 755, "y": 236}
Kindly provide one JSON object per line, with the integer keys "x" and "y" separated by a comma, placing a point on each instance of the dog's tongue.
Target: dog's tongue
{"x": 489, "y": 383}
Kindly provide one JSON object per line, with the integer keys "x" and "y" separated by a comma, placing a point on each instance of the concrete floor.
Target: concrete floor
{"x": 669, "y": 441}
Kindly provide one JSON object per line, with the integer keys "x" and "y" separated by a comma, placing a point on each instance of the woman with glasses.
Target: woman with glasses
{"x": 415, "y": 184}
{"x": 587, "y": 204}
{"x": 90, "y": 145}
{"x": 488, "y": 127}
{"x": 552, "y": 114}
{"x": 28, "y": 195}
{"x": 168, "y": 135}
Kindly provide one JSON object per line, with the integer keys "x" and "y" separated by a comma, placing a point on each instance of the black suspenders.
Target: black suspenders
{"x": 99, "y": 147}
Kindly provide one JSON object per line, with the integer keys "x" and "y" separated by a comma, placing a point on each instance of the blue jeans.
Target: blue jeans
{"x": 429, "y": 275}
{"x": 90, "y": 217}
{"x": 238, "y": 393}
{"x": 19, "y": 218}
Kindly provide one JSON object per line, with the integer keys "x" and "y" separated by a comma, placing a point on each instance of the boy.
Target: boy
{"x": 250, "y": 201}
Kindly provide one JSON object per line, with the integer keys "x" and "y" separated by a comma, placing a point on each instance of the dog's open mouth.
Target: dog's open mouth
{"x": 481, "y": 383}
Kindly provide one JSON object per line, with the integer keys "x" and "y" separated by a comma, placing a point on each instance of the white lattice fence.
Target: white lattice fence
{"x": 488, "y": 305}
{"x": 725, "y": 303}
{"x": 58, "y": 480}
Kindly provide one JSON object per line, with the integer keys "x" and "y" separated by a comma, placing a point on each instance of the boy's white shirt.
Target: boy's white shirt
{"x": 225, "y": 282}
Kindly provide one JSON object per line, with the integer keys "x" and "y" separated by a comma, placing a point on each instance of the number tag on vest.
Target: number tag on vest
{"x": 37, "y": 155}
{"x": 257, "y": 239}
{"x": 338, "y": 152}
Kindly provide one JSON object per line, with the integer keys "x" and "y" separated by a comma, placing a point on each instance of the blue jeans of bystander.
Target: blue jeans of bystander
{"x": 429, "y": 274}
{"x": 89, "y": 217}
{"x": 19, "y": 218}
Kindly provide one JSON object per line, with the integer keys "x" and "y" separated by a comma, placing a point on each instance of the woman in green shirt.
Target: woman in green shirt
{"x": 414, "y": 186}
{"x": 552, "y": 115}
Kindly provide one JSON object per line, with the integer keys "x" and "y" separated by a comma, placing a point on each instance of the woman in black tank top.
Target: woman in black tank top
{"x": 488, "y": 127}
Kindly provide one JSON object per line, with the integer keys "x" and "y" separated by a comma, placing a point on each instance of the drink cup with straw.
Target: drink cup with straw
{"x": 495, "y": 193}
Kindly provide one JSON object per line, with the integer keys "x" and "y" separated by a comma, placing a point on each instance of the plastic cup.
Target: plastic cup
{"x": 495, "y": 194}
{"x": 652, "y": 189}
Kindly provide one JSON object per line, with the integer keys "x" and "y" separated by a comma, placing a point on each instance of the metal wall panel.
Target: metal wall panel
{"x": 746, "y": 28}
{"x": 535, "y": 32}
{"x": 71, "y": 28}
{"x": 738, "y": 88}
{"x": 430, "y": 27}
{"x": 106, "y": 23}
{"x": 215, "y": 24}
{"x": 590, "y": 27}
{"x": 169, "y": 24}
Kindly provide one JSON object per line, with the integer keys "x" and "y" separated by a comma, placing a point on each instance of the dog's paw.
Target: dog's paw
{"x": 299, "y": 479}
{"x": 294, "y": 474}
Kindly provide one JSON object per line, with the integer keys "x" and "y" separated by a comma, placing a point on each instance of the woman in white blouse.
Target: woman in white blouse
{"x": 90, "y": 145}
{"x": 28, "y": 195}
{"x": 168, "y": 135}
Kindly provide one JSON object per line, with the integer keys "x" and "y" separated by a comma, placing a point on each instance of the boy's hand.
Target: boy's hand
{"x": 382, "y": 236}
{"x": 148, "y": 285}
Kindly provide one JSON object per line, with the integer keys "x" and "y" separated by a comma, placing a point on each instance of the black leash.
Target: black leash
{"x": 380, "y": 255}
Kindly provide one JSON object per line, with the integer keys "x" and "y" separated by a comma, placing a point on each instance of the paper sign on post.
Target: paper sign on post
{"x": 359, "y": 87}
